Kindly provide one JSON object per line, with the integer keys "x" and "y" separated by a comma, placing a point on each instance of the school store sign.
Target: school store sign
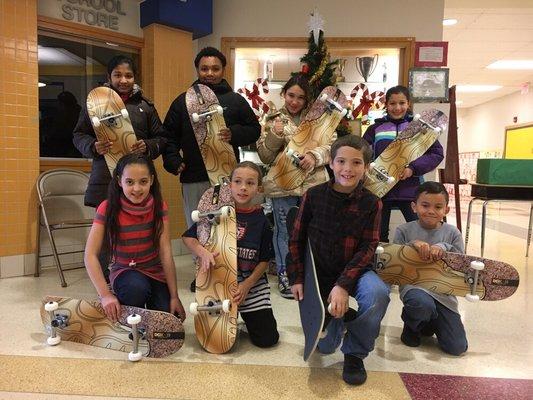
{"x": 116, "y": 15}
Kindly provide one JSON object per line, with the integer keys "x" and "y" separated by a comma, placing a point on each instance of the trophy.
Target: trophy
{"x": 366, "y": 66}
{"x": 340, "y": 68}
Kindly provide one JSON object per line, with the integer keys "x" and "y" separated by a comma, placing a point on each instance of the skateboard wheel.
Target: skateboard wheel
{"x": 390, "y": 179}
{"x": 226, "y": 306}
{"x": 193, "y": 308}
{"x": 473, "y": 298}
{"x": 438, "y": 129}
{"x": 53, "y": 341}
{"x": 195, "y": 215}
{"x": 289, "y": 152}
{"x": 51, "y": 306}
{"x": 195, "y": 117}
{"x": 124, "y": 113}
{"x": 133, "y": 319}
{"x": 372, "y": 164}
{"x": 344, "y": 112}
{"x": 135, "y": 356}
{"x": 96, "y": 122}
{"x": 380, "y": 250}
{"x": 477, "y": 265}
{"x": 225, "y": 211}
{"x": 220, "y": 110}
{"x": 323, "y": 97}
{"x": 329, "y": 308}
{"x": 416, "y": 117}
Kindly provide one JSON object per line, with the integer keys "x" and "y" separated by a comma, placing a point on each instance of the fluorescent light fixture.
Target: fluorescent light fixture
{"x": 111, "y": 44}
{"x": 41, "y": 84}
{"x": 477, "y": 88}
{"x": 511, "y": 64}
{"x": 449, "y": 21}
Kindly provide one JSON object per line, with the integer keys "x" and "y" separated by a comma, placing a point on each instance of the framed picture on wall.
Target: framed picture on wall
{"x": 428, "y": 85}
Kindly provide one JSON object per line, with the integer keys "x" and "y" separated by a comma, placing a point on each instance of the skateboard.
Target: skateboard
{"x": 207, "y": 120}
{"x": 313, "y": 315}
{"x": 456, "y": 274}
{"x": 215, "y": 316}
{"x": 410, "y": 144}
{"x": 316, "y": 129}
{"x": 139, "y": 331}
{"x": 111, "y": 121}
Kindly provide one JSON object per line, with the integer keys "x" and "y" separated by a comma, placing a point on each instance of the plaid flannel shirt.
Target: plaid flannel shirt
{"x": 344, "y": 232}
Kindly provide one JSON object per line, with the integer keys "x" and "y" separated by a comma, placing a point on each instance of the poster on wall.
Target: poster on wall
{"x": 431, "y": 54}
{"x": 443, "y": 138}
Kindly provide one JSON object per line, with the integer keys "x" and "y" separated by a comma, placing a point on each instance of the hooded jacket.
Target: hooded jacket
{"x": 147, "y": 126}
{"x": 380, "y": 134}
{"x": 182, "y": 145}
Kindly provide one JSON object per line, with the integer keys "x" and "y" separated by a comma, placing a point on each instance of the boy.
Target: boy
{"x": 341, "y": 219}
{"x": 254, "y": 245}
{"x": 425, "y": 312}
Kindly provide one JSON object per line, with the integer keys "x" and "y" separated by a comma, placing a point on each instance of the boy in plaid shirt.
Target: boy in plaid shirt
{"x": 342, "y": 220}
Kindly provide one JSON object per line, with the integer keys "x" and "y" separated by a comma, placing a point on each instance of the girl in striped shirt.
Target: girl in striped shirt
{"x": 134, "y": 223}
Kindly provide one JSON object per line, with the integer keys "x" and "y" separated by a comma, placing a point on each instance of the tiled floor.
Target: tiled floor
{"x": 500, "y": 336}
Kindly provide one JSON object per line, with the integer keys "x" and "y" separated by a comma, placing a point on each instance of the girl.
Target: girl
{"x": 133, "y": 222}
{"x": 275, "y": 135}
{"x": 150, "y": 133}
{"x": 254, "y": 243}
{"x": 379, "y": 135}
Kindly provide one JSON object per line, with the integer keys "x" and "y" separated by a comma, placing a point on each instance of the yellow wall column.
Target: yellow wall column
{"x": 167, "y": 59}
{"x": 19, "y": 136}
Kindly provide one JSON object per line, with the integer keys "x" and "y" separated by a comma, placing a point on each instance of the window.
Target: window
{"x": 69, "y": 68}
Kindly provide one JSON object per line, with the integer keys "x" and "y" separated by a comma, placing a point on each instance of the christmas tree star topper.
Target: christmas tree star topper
{"x": 316, "y": 24}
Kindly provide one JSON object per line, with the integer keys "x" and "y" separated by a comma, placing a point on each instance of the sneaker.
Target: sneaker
{"x": 428, "y": 329}
{"x": 193, "y": 286}
{"x": 284, "y": 286}
{"x": 409, "y": 337}
{"x": 353, "y": 372}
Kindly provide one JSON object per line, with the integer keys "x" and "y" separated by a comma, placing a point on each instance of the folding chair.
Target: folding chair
{"x": 61, "y": 207}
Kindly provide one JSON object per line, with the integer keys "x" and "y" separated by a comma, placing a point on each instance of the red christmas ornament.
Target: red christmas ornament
{"x": 305, "y": 68}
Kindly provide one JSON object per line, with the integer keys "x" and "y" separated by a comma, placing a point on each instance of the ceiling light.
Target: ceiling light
{"x": 111, "y": 44}
{"x": 449, "y": 21}
{"x": 511, "y": 64}
{"x": 477, "y": 88}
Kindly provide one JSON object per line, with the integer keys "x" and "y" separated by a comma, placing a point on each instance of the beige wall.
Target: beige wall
{"x": 419, "y": 18}
{"x": 482, "y": 128}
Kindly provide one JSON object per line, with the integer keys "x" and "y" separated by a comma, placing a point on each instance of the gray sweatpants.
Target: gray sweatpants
{"x": 191, "y": 193}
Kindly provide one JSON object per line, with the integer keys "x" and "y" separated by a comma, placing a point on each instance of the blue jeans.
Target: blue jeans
{"x": 280, "y": 240}
{"x": 372, "y": 296}
{"x": 420, "y": 310}
{"x": 133, "y": 288}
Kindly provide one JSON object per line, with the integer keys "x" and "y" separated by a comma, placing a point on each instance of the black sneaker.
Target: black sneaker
{"x": 409, "y": 337}
{"x": 428, "y": 329}
{"x": 353, "y": 372}
{"x": 193, "y": 286}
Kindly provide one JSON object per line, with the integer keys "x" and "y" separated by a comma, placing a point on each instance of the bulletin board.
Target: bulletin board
{"x": 519, "y": 141}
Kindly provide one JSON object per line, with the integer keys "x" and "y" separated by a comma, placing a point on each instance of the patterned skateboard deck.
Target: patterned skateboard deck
{"x": 87, "y": 323}
{"x": 316, "y": 129}
{"x": 218, "y": 156}
{"x": 216, "y": 330}
{"x": 409, "y": 145}
{"x": 401, "y": 265}
{"x": 104, "y": 102}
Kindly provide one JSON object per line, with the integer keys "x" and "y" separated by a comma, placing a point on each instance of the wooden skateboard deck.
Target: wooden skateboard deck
{"x": 216, "y": 329}
{"x": 401, "y": 265}
{"x": 87, "y": 323}
{"x": 313, "y": 314}
{"x": 409, "y": 145}
{"x": 104, "y": 102}
{"x": 218, "y": 156}
{"x": 316, "y": 129}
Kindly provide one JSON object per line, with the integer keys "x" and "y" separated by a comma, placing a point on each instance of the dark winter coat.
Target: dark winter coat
{"x": 182, "y": 145}
{"x": 380, "y": 134}
{"x": 147, "y": 126}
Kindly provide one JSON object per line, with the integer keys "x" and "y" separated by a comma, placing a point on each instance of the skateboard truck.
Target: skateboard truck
{"x": 333, "y": 104}
{"x": 476, "y": 266}
{"x": 134, "y": 320}
{"x": 196, "y": 117}
{"x": 56, "y": 321}
{"x": 350, "y": 315}
{"x": 212, "y": 215}
{"x": 294, "y": 156}
{"x": 437, "y": 129}
{"x": 377, "y": 263}
{"x": 211, "y": 307}
{"x": 111, "y": 118}
{"x": 382, "y": 175}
